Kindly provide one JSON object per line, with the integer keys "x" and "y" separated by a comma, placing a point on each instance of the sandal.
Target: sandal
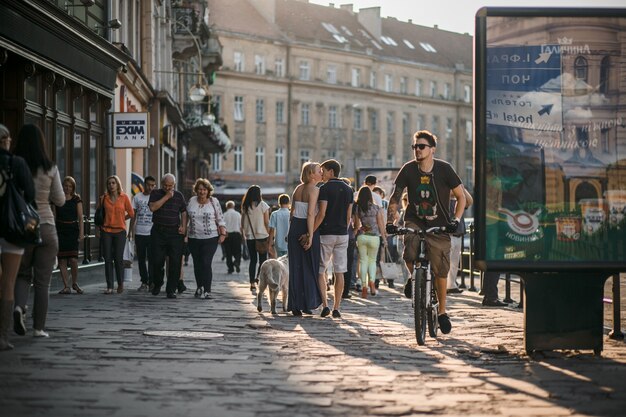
{"x": 76, "y": 288}
{"x": 65, "y": 290}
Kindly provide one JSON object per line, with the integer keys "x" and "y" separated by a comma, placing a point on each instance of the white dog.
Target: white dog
{"x": 274, "y": 274}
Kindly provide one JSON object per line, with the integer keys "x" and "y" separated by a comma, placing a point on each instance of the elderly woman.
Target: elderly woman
{"x": 11, "y": 254}
{"x": 206, "y": 230}
{"x": 117, "y": 209}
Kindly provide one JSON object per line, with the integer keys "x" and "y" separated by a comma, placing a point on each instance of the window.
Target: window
{"x": 279, "y": 67}
{"x": 358, "y": 119}
{"x": 467, "y": 93}
{"x": 238, "y": 158}
{"x": 374, "y": 120}
{"x": 304, "y": 114}
{"x": 305, "y": 156}
{"x": 580, "y": 68}
{"x": 433, "y": 88}
{"x": 260, "y": 110}
{"x": 449, "y": 128}
{"x": 259, "y": 64}
{"x": 418, "y": 87}
{"x": 216, "y": 162}
{"x": 405, "y": 124}
{"x": 403, "y": 85}
{"x": 356, "y": 77}
{"x": 373, "y": 83}
{"x": 435, "y": 125}
{"x": 427, "y": 47}
{"x": 239, "y": 62}
{"x": 239, "y": 115}
{"x": 259, "y": 160}
{"x": 390, "y": 161}
{"x": 216, "y": 106}
{"x": 280, "y": 161}
{"x": 388, "y": 83}
{"x": 421, "y": 122}
{"x": 331, "y": 74}
{"x": 605, "y": 65}
{"x": 469, "y": 130}
{"x": 604, "y": 140}
{"x": 280, "y": 112}
{"x": 332, "y": 117}
{"x": 446, "y": 91}
{"x": 305, "y": 71}
{"x": 390, "y": 122}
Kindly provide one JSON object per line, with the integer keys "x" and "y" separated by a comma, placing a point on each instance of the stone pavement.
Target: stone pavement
{"x": 106, "y": 357}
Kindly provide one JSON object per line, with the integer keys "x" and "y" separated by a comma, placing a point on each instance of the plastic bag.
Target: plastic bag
{"x": 129, "y": 253}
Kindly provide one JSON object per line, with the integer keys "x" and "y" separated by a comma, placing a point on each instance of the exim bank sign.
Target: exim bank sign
{"x": 130, "y": 130}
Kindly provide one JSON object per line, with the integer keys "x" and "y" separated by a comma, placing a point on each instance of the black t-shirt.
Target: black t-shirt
{"x": 429, "y": 193}
{"x": 338, "y": 196}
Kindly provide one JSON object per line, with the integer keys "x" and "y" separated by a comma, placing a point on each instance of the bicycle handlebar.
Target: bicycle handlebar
{"x": 407, "y": 230}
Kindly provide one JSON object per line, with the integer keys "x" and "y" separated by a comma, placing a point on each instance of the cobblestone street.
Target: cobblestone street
{"x": 124, "y": 355}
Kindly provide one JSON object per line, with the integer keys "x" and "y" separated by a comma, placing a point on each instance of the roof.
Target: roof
{"x": 339, "y": 28}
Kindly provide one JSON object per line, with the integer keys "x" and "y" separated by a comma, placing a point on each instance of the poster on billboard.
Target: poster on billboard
{"x": 130, "y": 130}
{"x": 550, "y": 138}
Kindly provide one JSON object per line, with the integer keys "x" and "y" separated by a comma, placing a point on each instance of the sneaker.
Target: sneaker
{"x": 336, "y": 314}
{"x": 181, "y": 287}
{"x": 40, "y": 333}
{"x": 199, "y": 292}
{"x": 156, "y": 290}
{"x": 346, "y": 296}
{"x": 444, "y": 323}
{"x": 408, "y": 288}
{"x": 206, "y": 296}
{"x": 171, "y": 295}
{"x": 143, "y": 287}
{"x": 455, "y": 290}
{"x": 494, "y": 303}
{"x": 325, "y": 312}
{"x": 18, "y": 321}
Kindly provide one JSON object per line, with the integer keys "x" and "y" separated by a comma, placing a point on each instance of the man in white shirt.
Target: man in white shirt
{"x": 232, "y": 244}
{"x": 140, "y": 227}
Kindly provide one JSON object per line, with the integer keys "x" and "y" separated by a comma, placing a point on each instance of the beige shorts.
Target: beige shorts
{"x": 335, "y": 247}
{"x": 438, "y": 250}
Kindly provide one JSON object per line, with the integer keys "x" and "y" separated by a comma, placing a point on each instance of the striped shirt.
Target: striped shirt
{"x": 169, "y": 213}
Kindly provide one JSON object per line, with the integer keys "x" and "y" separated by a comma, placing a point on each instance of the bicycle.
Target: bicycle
{"x": 423, "y": 293}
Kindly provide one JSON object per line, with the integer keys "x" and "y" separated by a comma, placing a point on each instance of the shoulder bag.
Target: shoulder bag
{"x": 261, "y": 245}
{"x": 19, "y": 222}
{"x": 98, "y": 217}
{"x": 391, "y": 270}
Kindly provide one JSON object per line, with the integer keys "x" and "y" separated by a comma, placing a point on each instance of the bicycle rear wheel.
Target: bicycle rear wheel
{"x": 419, "y": 305}
{"x": 433, "y": 308}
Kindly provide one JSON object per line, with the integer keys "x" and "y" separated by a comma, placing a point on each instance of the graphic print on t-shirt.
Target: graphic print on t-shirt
{"x": 426, "y": 206}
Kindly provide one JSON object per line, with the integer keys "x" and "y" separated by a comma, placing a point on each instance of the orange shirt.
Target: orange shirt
{"x": 115, "y": 213}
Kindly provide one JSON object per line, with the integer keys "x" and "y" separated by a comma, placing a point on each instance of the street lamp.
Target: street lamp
{"x": 200, "y": 90}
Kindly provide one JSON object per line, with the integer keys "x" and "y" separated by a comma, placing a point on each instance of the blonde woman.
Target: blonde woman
{"x": 206, "y": 230}
{"x": 117, "y": 209}
{"x": 70, "y": 230}
{"x": 303, "y": 244}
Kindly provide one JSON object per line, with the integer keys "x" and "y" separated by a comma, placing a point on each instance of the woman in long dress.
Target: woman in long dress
{"x": 303, "y": 242}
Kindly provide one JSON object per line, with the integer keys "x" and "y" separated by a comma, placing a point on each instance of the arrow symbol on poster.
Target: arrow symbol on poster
{"x": 545, "y": 109}
{"x": 543, "y": 57}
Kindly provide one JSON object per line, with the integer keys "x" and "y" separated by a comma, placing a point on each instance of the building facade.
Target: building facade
{"x": 303, "y": 82}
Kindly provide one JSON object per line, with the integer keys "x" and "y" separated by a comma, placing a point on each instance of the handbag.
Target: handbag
{"x": 98, "y": 217}
{"x": 261, "y": 245}
{"x": 20, "y": 221}
{"x": 391, "y": 270}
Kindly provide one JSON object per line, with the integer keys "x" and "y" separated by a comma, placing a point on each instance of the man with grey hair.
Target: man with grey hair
{"x": 169, "y": 226}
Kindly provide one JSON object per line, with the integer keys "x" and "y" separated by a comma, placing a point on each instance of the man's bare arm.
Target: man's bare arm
{"x": 394, "y": 201}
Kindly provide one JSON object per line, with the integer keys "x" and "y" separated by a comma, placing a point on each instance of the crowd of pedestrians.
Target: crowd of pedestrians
{"x": 321, "y": 227}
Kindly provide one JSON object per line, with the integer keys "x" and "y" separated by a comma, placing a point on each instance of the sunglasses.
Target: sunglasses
{"x": 420, "y": 146}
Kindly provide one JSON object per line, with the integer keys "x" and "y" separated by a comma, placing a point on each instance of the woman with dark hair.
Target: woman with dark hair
{"x": 11, "y": 254}
{"x": 370, "y": 224}
{"x": 117, "y": 209}
{"x": 255, "y": 220}
{"x": 70, "y": 231}
{"x": 206, "y": 230}
{"x": 38, "y": 261}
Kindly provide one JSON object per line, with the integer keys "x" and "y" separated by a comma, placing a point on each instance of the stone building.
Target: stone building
{"x": 302, "y": 82}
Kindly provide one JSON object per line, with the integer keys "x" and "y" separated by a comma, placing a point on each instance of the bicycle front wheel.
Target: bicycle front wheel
{"x": 419, "y": 305}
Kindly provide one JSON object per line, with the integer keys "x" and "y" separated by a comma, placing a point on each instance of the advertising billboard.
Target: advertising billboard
{"x": 550, "y": 139}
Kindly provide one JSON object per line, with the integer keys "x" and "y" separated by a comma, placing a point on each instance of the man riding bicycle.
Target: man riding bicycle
{"x": 428, "y": 182}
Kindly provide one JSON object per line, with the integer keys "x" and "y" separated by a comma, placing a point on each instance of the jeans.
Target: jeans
{"x": 490, "y": 285}
{"x": 232, "y": 247}
{"x": 113, "y": 252}
{"x": 202, "y": 251}
{"x": 349, "y": 275}
{"x": 166, "y": 242}
{"x": 254, "y": 255}
{"x": 142, "y": 243}
{"x": 36, "y": 267}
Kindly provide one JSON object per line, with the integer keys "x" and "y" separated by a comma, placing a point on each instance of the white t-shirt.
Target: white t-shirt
{"x": 257, "y": 219}
{"x": 204, "y": 218}
{"x": 143, "y": 226}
